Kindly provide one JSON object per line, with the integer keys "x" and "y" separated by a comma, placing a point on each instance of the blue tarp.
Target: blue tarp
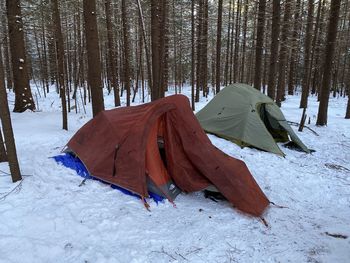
{"x": 73, "y": 162}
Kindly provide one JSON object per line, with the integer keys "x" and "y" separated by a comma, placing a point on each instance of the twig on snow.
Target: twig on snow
{"x": 336, "y": 235}
{"x": 16, "y": 189}
{"x": 307, "y": 127}
{"x": 164, "y": 252}
{"x": 181, "y": 256}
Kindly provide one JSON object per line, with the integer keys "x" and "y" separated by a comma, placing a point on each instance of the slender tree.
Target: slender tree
{"x": 228, "y": 45}
{"x": 245, "y": 24}
{"x": 93, "y": 56}
{"x": 275, "y": 30}
{"x": 328, "y": 61}
{"x": 60, "y": 61}
{"x": 3, "y": 155}
{"x": 218, "y": 47}
{"x": 148, "y": 59}
{"x": 159, "y": 56}
{"x": 283, "y": 53}
{"x": 237, "y": 37}
{"x": 307, "y": 55}
{"x": 126, "y": 52}
{"x": 111, "y": 54}
{"x": 11, "y": 153}
{"x": 259, "y": 44}
{"x": 294, "y": 49}
{"x": 23, "y": 98}
{"x": 192, "y": 57}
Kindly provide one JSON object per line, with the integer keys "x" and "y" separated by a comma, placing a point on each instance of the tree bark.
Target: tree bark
{"x": 283, "y": 53}
{"x": 60, "y": 62}
{"x": 7, "y": 129}
{"x": 307, "y": 55}
{"x": 159, "y": 53}
{"x": 23, "y": 98}
{"x": 259, "y": 44}
{"x": 327, "y": 68}
{"x": 192, "y": 57}
{"x": 218, "y": 48}
{"x": 94, "y": 63}
{"x": 245, "y": 22}
{"x": 3, "y": 154}
{"x": 275, "y": 30}
{"x": 294, "y": 44}
{"x": 111, "y": 54}
{"x": 8, "y": 67}
{"x": 228, "y": 45}
{"x": 237, "y": 38}
{"x": 148, "y": 59}
{"x": 126, "y": 52}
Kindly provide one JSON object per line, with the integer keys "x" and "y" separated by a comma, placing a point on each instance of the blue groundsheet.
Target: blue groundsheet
{"x": 70, "y": 161}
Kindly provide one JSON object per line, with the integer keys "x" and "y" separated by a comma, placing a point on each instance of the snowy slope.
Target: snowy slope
{"x": 50, "y": 218}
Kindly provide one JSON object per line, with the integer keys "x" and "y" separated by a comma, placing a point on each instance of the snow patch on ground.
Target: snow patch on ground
{"x": 50, "y": 218}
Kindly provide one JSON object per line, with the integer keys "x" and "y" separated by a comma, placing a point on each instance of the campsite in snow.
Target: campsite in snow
{"x": 174, "y": 131}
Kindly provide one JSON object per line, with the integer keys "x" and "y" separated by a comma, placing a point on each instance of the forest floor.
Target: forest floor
{"x": 49, "y": 217}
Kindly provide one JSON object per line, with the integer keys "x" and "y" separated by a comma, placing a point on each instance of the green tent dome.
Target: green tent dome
{"x": 247, "y": 117}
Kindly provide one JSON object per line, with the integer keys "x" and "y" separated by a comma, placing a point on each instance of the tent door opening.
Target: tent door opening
{"x": 159, "y": 180}
{"x": 278, "y": 133}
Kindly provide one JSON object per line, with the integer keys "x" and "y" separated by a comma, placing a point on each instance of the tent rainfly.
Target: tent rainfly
{"x": 247, "y": 117}
{"x": 123, "y": 147}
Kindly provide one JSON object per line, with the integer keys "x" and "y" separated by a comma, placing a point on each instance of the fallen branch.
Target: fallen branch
{"x": 307, "y": 127}
{"x": 336, "y": 235}
{"x": 337, "y": 167}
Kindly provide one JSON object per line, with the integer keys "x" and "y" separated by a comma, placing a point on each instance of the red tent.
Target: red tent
{"x": 121, "y": 146}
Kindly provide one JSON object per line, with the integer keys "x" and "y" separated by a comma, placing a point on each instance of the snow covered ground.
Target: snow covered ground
{"x": 50, "y": 218}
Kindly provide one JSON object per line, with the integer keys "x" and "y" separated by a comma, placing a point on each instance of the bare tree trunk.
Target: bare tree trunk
{"x": 199, "y": 81}
{"x": 275, "y": 30}
{"x": 292, "y": 65}
{"x": 8, "y": 66}
{"x": 7, "y": 129}
{"x": 245, "y": 22}
{"x": 259, "y": 44}
{"x": 60, "y": 62}
{"x": 159, "y": 53}
{"x": 126, "y": 52}
{"x": 204, "y": 55}
{"x": 94, "y": 64}
{"x": 308, "y": 37}
{"x": 45, "y": 63}
{"x": 327, "y": 69}
{"x": 237, "y": 37}
{"x": 313, "y": 46}
{"x": 218, "y": 47}
{"x": 283, "y": 53}
{"x": 192, "y": 57}
{"x": 148, "y": 59}
{"x": 228, "y": 45}
{"x": 111, "y": 54}
{"x": 3, "y": 154}
{"x": 23, "y": 99}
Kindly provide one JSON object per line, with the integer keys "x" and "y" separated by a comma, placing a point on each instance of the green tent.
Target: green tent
{"x": 247, "y": 117}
